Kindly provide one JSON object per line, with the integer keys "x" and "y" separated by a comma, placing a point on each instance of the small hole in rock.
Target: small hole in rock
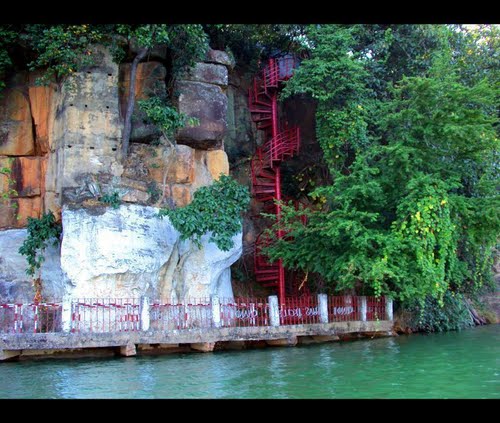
{"x": 85, "y": 105}
{"x": 69, "y": 146}
{"x": 91, "y": 148}
{"x": 114, "y": 149}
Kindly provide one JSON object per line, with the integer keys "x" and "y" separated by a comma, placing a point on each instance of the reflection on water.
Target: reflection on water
{"x": 450, "y": 365}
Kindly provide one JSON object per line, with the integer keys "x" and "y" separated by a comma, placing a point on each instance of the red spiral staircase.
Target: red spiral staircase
{"x": 281, "y": 143}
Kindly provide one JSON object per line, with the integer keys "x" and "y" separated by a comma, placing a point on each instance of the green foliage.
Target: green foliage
{"x": 248, "y": 43}
{"x": 189, "y": 44}
{"x": 477, "y": 53}
{"x": 165, "y": 116}
{"x": 335, "y": 77}
{"x": 8, "y": 36}
{"x": 145, "y": 35}
{"x": 9, "y": 192}
{"x": 61, "y": 49}
{"x": 413, "y": 208}
{"x": 451, "y": 314}
{"x": 389, "y": 52}
{"x": 215, "y": 209}
{"x": 40, "y": 233}
{"x": 186, "y": 43}
{"x": 112, "y": 199}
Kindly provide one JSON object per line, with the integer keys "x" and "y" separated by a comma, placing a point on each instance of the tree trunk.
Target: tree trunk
{"x": 127, "y": 127}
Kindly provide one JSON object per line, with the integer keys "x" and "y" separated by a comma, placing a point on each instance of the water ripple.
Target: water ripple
{"x": 451, "y": 365}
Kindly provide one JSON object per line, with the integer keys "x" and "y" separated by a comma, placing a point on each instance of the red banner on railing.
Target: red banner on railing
{"x": 300, "y": 310}
{"x": 343, "y": 308}
{"x": 244, "y": 312}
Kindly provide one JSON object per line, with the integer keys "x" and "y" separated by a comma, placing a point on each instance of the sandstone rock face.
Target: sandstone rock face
{"x": 208, "y": 104}
{"x": 181, "y": 170}
{"x": 130, "y": 252}
{"x": 16, "y": 130}
{"x": 23, "y": 185}
{"x": 15, "y": 285}
{"x": 27, "y": 207}
{"x": 87, "y": 127}
{"x": 209, "y": 73}
{"x": 217, "y": 163}
{"x": 26, "y": 110}
{"x": 52, "y": 203}
{"x": 202, "y": 175}
{"x": 41, "y": 102}
{"x": 179, "y": 194}
{"x": 241, "y": 136}
{"x": 178, "y": 171}
{"x": 8, "y": 213}
{"x": 220, "y": 57}
{"x": 26, "y": 174}
{"x": 149, "y": 79}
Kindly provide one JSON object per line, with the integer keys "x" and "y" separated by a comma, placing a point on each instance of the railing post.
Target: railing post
{"x": 323, "y": 308}
{"x": 362, "y": 308}
{"x": 388, "y": 308}
{"x": 274, "y": 311}
{"x": 215, "y": 310}
{"x": 144, "y": 310}
{"x": 66, "y": 313}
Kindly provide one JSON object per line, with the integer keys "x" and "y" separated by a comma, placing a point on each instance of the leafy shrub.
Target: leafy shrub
{"x": 161, "y": 113}
{"x": 112, "y": 199}
{"x": 453, "y": 314}
{"x": 40, "y": 232}
{"x": 216, "y": 209}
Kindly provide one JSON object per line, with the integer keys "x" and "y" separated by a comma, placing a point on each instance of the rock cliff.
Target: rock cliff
{"x": 60, "y": 151}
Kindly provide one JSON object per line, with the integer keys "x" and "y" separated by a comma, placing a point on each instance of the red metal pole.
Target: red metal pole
{"x": 281, "y": 270}
{"x": 274, "y": 128}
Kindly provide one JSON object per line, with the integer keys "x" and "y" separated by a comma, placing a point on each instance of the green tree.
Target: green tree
{"x": 412, "y": 211}
{"x": 335, "y": 77}
{"x": 60, "y": 50}
{"x": 250, "y": 43}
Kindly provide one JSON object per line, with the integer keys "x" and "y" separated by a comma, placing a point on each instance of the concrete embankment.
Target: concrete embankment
{"x": 15, "y": 346}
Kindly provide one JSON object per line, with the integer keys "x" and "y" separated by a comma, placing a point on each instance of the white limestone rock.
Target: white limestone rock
{"x": 115, "y": 254}
{"x": 129, "y": 252}
{"x": 119, "y": 253}
{"x": 206, "y": 271}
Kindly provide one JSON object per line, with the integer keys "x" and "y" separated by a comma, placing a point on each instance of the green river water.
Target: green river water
{"x": 462, "y": 364}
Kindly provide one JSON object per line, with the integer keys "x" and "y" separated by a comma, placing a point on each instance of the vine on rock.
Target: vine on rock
{"x": 215, "y": 209}
{"x": 40, "y": 233}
